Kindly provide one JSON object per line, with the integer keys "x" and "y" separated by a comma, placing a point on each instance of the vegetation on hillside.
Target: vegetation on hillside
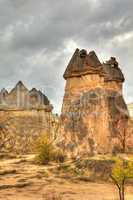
{"x": 47, "y": 151}
{"x": 121, "y": 173}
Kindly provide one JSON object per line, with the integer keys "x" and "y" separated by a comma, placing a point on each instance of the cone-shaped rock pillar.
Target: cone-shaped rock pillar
{"x": 94, "y": 113}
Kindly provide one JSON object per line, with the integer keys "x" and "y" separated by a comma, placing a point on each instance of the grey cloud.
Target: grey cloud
{"x": 37, "y": 39}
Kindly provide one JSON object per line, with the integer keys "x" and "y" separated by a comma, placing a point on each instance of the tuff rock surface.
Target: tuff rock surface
{"x": 94, "y": 115}
{"x": 24, "y": 116}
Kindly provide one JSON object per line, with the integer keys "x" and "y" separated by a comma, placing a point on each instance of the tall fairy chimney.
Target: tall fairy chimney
{"x": 94, "y": 113}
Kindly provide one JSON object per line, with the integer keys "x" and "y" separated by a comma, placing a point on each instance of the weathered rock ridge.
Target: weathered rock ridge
{"x": 24, "y": 116}
{"x": 22, "y": 98}
{"x": 94, "y": 115}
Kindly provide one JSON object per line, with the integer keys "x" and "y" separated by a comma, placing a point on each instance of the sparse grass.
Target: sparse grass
{"x": 52, "y": 196}
{"x": 72, "y": 170}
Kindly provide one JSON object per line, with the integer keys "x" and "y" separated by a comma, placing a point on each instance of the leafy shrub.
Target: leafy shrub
{"x": 44, "y": 150}
{"x": 47, "y": 151}
{"x": 121, "y": 173}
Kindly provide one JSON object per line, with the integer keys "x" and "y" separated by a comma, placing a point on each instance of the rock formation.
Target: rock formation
{"x": 21, "y": 97}
{"x": 94, "y": 115}
{"x": 24, "y": 116}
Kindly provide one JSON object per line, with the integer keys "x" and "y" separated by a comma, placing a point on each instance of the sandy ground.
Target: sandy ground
{"x": 20, "y": 179}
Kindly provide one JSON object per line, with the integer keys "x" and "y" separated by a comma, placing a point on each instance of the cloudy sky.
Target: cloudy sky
{"x": 38, "y": 37}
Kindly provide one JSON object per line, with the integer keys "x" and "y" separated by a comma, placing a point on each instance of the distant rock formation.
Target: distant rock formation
{"x": 21, "y": 97}
{"x": 24, "y": 116}
{"x": 94, "y": 114}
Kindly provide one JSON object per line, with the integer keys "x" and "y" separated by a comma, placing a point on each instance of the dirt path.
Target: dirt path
{"x": 20, "y": 179}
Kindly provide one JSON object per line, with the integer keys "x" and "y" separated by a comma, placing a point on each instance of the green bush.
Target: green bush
{"x": 47, "y": 151}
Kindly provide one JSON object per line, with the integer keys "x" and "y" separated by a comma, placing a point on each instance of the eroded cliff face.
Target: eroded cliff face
{"x": 24, "y": 116}
{"x": 94, "y": 115}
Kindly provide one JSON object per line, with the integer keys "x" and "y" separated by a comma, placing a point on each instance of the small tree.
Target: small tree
{"x": 125, "y": 131}
{"x": 121, "y": 172}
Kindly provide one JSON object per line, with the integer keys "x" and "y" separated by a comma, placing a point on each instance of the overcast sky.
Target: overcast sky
{"x": 38, "y": 37}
